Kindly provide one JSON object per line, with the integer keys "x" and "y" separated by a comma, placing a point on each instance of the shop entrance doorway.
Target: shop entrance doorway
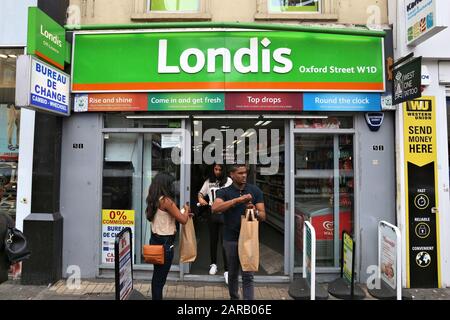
{"x": 261, "y": 144}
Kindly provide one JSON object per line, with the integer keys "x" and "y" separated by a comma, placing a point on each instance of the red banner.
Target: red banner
{"x": 247, "y": 101}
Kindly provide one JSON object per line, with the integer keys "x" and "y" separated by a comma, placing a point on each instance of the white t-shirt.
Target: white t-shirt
{"x": 209, "y": 189}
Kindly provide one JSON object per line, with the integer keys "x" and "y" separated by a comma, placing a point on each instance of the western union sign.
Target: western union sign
{"x": 422, "y": 215}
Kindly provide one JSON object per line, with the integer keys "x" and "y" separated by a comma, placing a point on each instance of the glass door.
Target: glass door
{"x": 131, "y": 160}
{"x": 324, "y": 192}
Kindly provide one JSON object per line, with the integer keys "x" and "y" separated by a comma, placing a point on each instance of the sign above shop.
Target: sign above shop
{"x": 200, "y": 61}
{"x": 228, "y": 101}
{"x": 341, "y": 102}
{"x": 407, "y": 81}
{"x": 422, "y": 20}
{"x": 46, "y": 38}
{"x": 41, "y": 86}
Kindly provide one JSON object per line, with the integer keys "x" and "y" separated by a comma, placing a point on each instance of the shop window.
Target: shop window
{"x": 170, "y": 10}
{"x": 294, "y": 5}
{"x": 10, "y": 131}
{"x": 130, "y": 162}
{"x": 173, "y": 5}
{"x": 296, "y": 10}
{"x": 324, "y": 193}
{"x": 325, "y": 123}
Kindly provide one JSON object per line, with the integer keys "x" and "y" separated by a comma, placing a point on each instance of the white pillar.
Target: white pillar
{"x": 25, "y": 168}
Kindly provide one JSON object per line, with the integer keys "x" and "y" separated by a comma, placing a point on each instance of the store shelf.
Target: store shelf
{"x": 274, "y": 220}
{"x": 312, "y": 196}
{"x": 272, "y": 184}
{"x": 273, "y": 197}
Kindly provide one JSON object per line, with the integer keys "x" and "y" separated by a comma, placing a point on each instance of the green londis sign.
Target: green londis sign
{"x": 227, "y": 61}
{"x": 46, "y": 38}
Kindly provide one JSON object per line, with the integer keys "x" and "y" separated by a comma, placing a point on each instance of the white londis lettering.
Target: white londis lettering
{"x": 245, "y": 60}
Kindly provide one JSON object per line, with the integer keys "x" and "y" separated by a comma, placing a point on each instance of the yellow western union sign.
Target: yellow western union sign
{"x": 422, "y": 216}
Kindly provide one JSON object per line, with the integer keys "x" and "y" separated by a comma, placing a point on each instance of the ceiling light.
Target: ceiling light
{"x": 266, "y": 123}
{"x": 259, "y": 123}
{"x": 12, "y": 56}
{"x": 4, "y": 56}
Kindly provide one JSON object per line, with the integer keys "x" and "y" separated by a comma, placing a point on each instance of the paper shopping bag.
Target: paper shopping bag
{"x": 248, "y": 246}
{"x": 188, "y": 243}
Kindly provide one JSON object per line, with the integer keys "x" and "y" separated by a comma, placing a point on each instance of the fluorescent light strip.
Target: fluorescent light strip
{"x": 288, "y": 116}
{"x": 219, "y": 116}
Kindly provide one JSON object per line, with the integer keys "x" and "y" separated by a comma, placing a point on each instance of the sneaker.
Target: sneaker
{"x": 225, "y": 275}
{"x": 212, "y": 269}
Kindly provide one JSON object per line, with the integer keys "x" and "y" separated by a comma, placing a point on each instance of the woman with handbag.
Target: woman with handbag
{"x": 163, "y": 213}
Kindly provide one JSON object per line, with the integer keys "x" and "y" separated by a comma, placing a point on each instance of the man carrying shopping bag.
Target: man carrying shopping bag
{"x": 233, "y": 202}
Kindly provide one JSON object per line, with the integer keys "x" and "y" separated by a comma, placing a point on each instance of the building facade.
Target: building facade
{"x": 158, "y": 84}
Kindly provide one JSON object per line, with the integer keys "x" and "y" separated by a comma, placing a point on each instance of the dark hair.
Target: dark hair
{"x": 236, "y": 166}
{"x": 162, "y": 186}
{"x": 223, "y": 177}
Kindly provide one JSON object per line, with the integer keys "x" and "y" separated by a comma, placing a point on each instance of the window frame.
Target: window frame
{"x": 141, "y": 12}
{"x": 327, "y": 11}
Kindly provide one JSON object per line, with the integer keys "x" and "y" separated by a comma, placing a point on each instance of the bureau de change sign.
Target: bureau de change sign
{"x": 42, "y": 87}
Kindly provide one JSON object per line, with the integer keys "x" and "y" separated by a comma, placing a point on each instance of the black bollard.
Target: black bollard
{"x": 44, "y": 232}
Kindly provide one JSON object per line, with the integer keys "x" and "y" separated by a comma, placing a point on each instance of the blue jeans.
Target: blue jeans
{"x": 160, "y": 272}
{"x": 234, "y": 266}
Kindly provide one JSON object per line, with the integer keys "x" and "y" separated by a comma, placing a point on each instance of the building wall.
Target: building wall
{"x": 376, "y": 184}
{"x": 120, "y": 11}
{"x": 13, "y": 21}
{"x": 80, "y": 193}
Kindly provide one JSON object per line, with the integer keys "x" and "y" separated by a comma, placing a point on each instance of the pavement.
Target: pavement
{"x": 103, "y": 289}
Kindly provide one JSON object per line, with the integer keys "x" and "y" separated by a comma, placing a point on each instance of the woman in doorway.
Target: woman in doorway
{"x": 218, "y": 179}
{"x": 163, "y": 213}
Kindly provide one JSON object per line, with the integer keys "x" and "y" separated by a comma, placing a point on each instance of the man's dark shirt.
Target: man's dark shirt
{"x": 232, "y": 217}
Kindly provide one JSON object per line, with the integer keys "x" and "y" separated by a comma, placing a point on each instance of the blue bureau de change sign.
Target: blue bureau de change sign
{"x": 42, "y": 87}
{"x": 341, "y": 102}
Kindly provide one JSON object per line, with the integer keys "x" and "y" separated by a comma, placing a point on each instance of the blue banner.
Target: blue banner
{"x": 341, "y": 102}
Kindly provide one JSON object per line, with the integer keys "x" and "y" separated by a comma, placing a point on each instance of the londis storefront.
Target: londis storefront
{"x": 292, "y": 102}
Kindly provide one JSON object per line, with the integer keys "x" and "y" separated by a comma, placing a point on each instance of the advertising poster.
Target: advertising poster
{"x": 9, "y": 156}
{"x": 422, "y": 217}
{"x": 348, "y": 258}
{"x": 9, "y": 127}
{"x": 389, "y": 251}
{"x": 124, "y": 267}
{"x": 114, "y": 221}
{"x": 308, "y": 254}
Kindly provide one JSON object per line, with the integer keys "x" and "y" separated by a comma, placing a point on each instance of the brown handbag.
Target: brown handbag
{"x": 153, "y": 253}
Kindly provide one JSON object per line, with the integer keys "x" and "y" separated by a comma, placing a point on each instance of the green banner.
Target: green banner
{"x": 46, "y": 38}
{"x": 184, "y": 102}
{"x": 227, "y": 61}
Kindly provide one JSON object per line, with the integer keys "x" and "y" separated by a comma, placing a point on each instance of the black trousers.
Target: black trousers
{"x": 215, "y": 224}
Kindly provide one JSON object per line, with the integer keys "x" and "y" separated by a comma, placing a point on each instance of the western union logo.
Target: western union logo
{"x": 419, "y": 105}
